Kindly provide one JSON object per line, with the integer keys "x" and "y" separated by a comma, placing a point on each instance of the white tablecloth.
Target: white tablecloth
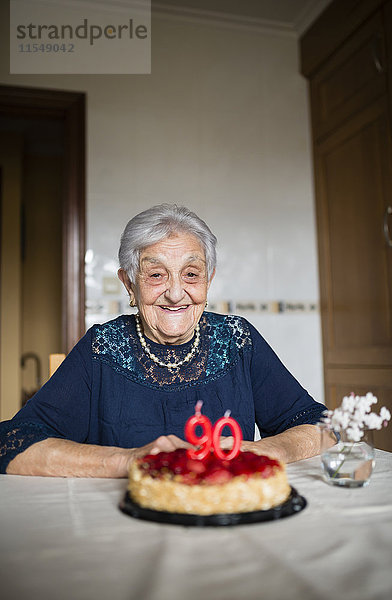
{"x": 67, "y": 539}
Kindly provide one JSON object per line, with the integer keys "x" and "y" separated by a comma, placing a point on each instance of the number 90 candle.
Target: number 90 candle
{"x": 210, "y": 437}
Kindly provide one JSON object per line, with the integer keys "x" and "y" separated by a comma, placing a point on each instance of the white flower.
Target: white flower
{"x": 355, "y": 414}
{"x": 371, "y": 398}
{"x": 364, "y": 403}
{"x": 354, "y": 433}
{"x": 348, "y": 403}
{"x": 385, "y": 414}
{"x": 358, "y": 415}
{"x": 373, "y": 421}
{"x": 340, "y": 419}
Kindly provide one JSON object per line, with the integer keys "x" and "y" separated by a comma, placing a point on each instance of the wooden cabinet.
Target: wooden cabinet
{"x": 354, "y": 177}
{"x": 353, "y": 77}
{"x": 352, "y": 142}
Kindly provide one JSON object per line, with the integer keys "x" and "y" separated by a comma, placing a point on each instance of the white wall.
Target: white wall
{"x": 221, "y": 125}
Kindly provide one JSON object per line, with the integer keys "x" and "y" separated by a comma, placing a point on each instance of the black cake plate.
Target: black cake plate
{"x": 294, "y": 504}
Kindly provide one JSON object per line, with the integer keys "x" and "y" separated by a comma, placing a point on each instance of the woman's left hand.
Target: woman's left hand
{"x": 301, "y": 441}
{"x": 226, "y": 442}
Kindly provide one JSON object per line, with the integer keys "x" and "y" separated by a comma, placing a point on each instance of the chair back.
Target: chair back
{"x": 55, "y": 361}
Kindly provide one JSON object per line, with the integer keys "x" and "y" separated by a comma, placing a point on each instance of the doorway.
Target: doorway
{"x": 42, "y": 142}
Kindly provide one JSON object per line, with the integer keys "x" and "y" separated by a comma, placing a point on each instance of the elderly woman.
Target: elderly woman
{"x": 128, "y": 386}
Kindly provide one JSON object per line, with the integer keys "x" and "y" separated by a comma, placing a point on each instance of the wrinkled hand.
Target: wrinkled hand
{"x": 164, "y": 443}
{"x": 227, "y": 442}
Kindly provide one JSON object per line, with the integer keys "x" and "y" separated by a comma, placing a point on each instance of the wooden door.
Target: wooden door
{"x": 69, "y": 108}
{"x": 350, "y": 102}
{"x": 354, "y": 183}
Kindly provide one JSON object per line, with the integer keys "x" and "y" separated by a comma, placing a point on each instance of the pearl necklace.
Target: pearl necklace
{"x": 171, "y": 365}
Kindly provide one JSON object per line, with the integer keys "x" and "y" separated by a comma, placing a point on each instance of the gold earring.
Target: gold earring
{"x": 132, "y": 302}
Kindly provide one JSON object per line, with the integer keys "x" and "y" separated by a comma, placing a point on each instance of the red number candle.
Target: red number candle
{"x": 205, "y": 440}
{"x": 211, "y": 437}
{"x": 237, "y": 435}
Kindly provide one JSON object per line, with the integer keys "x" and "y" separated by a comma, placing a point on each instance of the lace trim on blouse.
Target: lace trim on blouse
{"x": 222, "y": 338}
{"x": 17, "y": 438}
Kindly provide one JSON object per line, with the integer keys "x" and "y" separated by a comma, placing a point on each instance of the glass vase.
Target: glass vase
{"x": 346, "y": 463}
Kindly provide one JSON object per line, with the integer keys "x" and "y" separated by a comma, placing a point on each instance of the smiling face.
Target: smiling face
{"x": 171, "y": 288}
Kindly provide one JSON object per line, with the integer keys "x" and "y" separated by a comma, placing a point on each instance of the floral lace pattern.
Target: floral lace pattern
{"x": 221, "y": 340}
{"x": 19, "y": 438}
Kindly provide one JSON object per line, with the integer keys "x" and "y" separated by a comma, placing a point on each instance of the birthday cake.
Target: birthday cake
{"x": 176, "y": 483}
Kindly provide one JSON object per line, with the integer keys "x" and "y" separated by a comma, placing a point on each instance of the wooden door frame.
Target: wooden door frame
{"x": 69, "y": 107}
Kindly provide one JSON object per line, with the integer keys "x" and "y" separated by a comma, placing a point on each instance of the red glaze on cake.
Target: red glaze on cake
{"x": 171, "y": 481}
{"x": 208, "y": 470}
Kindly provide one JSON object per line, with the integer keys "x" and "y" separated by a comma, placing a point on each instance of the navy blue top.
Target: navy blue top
{"x": 109, "y": 392}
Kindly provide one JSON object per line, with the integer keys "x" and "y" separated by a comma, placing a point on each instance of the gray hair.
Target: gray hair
{"x": 157, "y": 223}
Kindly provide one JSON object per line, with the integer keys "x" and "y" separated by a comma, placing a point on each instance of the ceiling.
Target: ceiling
{"x": 288, "y": 15}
